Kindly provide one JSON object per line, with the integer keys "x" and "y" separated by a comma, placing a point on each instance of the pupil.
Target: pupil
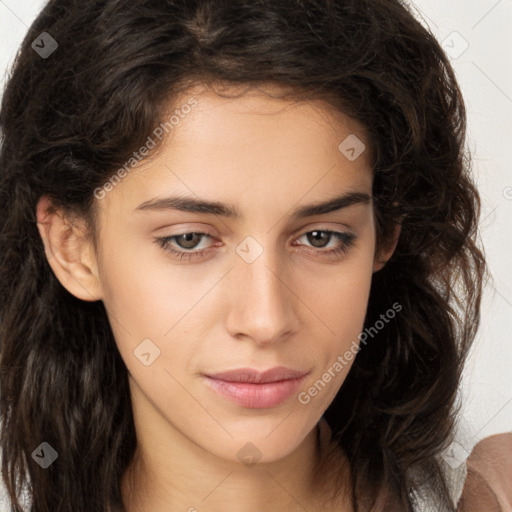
{"x": 188, "y": 238}
{"x": 317, "y": 236}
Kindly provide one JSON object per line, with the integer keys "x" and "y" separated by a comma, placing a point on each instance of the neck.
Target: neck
{"x": 190, "y": 479}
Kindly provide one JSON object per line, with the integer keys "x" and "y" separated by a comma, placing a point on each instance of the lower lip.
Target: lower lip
{"x": 256, "y": 396}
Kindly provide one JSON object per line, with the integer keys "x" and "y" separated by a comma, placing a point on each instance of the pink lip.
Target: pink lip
{"x": 257, "y": 390}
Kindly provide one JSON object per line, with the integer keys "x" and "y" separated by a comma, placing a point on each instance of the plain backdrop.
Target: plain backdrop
{"x": 477, "y": 36}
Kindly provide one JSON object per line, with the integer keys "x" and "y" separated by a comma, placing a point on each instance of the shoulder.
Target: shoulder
{"x": 489, "y": 481}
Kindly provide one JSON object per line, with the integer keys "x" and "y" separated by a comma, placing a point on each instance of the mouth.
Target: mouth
{"x": 257, "y": 390}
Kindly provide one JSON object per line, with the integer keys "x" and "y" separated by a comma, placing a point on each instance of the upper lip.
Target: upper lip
{"x": 250, "y": 375}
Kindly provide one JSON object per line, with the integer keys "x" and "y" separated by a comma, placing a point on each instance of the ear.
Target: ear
{"x": 71, "y": 258}
{"x": 383, "y": 256}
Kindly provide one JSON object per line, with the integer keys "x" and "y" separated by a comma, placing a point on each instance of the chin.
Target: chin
{"x": 258, "y": 446}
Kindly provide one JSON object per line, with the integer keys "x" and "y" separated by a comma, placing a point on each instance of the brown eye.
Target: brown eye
{"x": 318, "y": 238}
{"x": 321, "y": 239}
{"x": 188, "y": 240}
{"x": 184, "y": 245}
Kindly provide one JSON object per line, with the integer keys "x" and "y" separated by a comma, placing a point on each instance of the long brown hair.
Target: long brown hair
{"x": 71, "y": 118}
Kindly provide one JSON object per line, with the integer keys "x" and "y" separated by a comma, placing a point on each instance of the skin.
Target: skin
{"x": 292, "y": 306}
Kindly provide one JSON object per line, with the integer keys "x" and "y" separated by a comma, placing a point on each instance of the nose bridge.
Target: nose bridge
{"x": 261, "y": 304}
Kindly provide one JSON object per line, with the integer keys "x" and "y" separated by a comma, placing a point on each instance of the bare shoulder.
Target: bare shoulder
{"x": 489, "y": 482}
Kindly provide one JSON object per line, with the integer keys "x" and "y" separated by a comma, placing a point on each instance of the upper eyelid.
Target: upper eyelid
{"x": 212, "y": 237}
{"x": 298, "y": 232}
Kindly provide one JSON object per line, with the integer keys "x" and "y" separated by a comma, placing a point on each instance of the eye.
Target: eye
{"x": 318, "y": 238}
{"x": 185, "y": 244}
{"x": 185, "y": 241}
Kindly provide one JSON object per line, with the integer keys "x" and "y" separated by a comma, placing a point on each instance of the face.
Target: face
{"x": 257, "y": 280}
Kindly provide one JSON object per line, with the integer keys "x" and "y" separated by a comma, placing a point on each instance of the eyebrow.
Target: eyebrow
{"x": 193, "y": 205}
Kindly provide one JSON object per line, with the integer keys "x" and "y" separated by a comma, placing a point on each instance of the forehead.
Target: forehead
{"x": 239, "y": 111}
{"x": 246, "y": 143}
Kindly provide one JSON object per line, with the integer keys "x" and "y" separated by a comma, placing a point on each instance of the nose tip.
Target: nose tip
{"x": 262, "y": 306}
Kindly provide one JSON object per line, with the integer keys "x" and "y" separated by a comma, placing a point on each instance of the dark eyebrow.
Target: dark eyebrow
{"x": 190, "y": 204}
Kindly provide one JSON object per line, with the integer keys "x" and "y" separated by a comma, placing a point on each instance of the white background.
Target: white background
{"x": 484, "y": 72}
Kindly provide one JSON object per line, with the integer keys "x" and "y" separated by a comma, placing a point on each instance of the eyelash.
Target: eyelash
{"x": 348, "y": 240}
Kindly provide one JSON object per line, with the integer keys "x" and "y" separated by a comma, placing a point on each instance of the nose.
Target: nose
{"x": 262, "y": 301}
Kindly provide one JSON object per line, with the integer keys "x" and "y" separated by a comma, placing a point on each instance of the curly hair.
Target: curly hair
{"x": 69, "y": 120}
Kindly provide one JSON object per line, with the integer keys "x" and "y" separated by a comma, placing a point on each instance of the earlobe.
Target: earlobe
{"x": 69, "y": 255}
{"x": 382, "y": 258}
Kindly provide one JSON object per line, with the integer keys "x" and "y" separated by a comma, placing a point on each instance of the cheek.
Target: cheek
{"x": 340, "y": 302}
{"x": 342, "y": 309}
{"x": 149, "y": 301}
{"x": 340, "y": 297}
{"x": 141, "y": 293}
{"x": 346, "y": 304}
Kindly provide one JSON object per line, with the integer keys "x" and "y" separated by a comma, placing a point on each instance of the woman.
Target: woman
{"x": 239, "y": 258}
